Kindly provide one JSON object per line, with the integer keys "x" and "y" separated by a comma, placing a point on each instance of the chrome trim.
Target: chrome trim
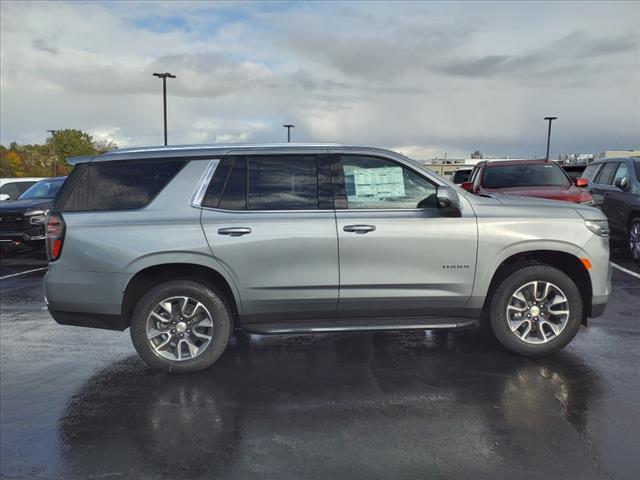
{"x": 361, "y": 328}
{"x": 203, "y": 183}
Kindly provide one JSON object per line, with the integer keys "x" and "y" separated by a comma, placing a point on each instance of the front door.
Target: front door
{"x": 271, "y": 224}
{"x": 399, "y": 254}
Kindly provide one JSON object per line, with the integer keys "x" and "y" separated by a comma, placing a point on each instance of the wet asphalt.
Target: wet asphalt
{"x": 78, "y": 403}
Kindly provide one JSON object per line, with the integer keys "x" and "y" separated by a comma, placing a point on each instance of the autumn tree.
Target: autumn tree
{"x": 45, "y": 160}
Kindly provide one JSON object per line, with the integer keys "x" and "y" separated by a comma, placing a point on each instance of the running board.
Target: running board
{"x": 358, "y": 325}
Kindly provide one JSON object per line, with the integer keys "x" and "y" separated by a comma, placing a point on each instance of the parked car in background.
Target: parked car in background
{"x": 574, "y": 171}
{"x": 528, "y": 178}
{"x": 614, "y": 184}
{"x": 184, "y": 244}
{"x": 461, "y": 175}
{"x": 12, "y": 188}
{"x": 22, "y": 221}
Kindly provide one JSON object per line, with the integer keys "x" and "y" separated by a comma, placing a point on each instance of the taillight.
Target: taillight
{"x": 54, "y": 235}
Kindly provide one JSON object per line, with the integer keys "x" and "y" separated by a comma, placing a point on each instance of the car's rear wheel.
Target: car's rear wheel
{"x": 181, "y": 326}
{"x": 536, "y": 310}
{"x": 634, "y": 239}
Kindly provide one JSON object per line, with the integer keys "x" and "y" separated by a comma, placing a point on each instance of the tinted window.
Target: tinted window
{"x": 234, "y": 195}
{"x": 460, "y": 176}
{"x": 377, "y": 183}
{"x": 43, "y": 189}
{"x": 120, "y": 185}
{"x": 607, "y": 173}
{"x": 282, "y": 183}
{"x": 621, "y": 172}
{"x": 24, "y": 186}
{"x": 636, "y": 161}
{"x": 590, "y": 172}
{"x": 527, "y": 175}
{"x": 10, "y": 189}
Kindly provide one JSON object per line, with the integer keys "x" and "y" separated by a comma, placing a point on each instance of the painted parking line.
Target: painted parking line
{"x": 625, "y": 270}
{"x": 23, "y": 273}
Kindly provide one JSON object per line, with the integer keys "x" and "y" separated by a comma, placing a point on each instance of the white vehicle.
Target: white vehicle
{"x": 12, "y": 188}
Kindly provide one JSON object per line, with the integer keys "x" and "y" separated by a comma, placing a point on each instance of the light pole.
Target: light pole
{"x": 289, "y": 127}
{"x": 164, "y": 77}
{"x": 53, "y": 134}
{"x": 549, "y": 119}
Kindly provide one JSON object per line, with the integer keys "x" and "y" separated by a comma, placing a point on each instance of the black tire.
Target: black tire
{"x": 510, "y": 284}
{"x": 634, "y": 224}
{"x": 214, "y": 302}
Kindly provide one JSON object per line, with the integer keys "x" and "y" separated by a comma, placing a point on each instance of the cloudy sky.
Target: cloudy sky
{"x": 422, "y": 78}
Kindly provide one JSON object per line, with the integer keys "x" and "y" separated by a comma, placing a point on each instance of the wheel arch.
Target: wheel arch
{"x": 563, "y": 261}
{"x": 155, "y": 274}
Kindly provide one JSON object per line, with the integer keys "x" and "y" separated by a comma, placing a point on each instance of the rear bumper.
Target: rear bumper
{"x": 91, "y": 320}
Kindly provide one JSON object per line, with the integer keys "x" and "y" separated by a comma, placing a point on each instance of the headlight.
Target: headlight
{"x": 599, "y": 227}
{"x": 37, "y": 217}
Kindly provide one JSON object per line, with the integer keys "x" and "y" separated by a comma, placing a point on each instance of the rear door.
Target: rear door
{"x": 399, "y": 254}
{"x": 616, "y": 200}
{"x": 270, "y": 220}
{"x": 603, "y": 183}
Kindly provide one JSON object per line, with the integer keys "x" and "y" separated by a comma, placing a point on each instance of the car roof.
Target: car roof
{"x": 501, "y": 163}
{"x": 613, "y": 159}
{"x": 186, "y": 151}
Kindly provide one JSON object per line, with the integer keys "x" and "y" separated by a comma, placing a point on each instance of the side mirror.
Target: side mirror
{"x": 468, "y": 186}
{"x": 582, "y": 182}
{"x": 622, "y": 183}
{"x": 4, "y": 197}
{"x": 448, "y": 200}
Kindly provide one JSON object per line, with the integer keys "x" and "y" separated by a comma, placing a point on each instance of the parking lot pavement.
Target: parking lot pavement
{"x": 77, "y": 403}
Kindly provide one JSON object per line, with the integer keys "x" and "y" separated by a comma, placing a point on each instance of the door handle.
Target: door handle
{"x": 359, "y": 228}
{"x": 234, "y": 231}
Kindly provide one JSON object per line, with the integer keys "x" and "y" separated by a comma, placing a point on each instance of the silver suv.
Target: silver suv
{"x": 185, "y": 244}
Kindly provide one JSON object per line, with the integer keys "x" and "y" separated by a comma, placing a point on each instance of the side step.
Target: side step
{"x": 358, "y": 325}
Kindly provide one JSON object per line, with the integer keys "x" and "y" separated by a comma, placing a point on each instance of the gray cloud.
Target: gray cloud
{"x": 572, "y": 53}
{"x": 41, "y": 45}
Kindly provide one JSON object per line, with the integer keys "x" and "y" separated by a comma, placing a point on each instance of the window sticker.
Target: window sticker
{"x": 385, "y": 182}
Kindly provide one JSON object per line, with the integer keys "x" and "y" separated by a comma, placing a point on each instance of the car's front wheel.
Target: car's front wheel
{"x": 536, "y": 310}
{"x": 181, "y": 326}
{"x": 634, "y": 239}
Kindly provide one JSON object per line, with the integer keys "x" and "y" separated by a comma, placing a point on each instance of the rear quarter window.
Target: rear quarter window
{"x": 117, "y": 185}
{"x": 590, "y": 172}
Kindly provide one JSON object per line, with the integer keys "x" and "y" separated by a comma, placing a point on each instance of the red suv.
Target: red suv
{"x": 529, "y": 178}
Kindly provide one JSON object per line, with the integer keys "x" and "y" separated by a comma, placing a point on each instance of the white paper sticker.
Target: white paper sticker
{"x": 385, "y": 182}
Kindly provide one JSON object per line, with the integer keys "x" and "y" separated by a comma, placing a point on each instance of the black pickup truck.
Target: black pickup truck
{"x": 22, "y": 221}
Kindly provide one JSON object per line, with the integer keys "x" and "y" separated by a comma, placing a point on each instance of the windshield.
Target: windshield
{"x": 529, "y": 175}
{"x": 43, "y": 189}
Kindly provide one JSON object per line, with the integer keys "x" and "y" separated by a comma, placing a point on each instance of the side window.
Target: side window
{"x": 621, "y": 172}
{"x": 607, "y": 173}
{"x": 377, "y": 183}
{"x": 282, "y": 183}
{"x": 119, "y": 185}
{"x": 234, "y": 195}
{"x": 590, "y": 172}
{"x": 10, "y": 189}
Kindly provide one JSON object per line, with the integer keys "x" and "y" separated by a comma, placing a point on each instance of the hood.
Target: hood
{"x": 22, "y": 206}
{"x": 567, "y": 194}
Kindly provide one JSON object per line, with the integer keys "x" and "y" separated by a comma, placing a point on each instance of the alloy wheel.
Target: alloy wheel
{"x": 179, "y": 328}
{"x": 634, "y": 239}
{"x": 538, "y": 312}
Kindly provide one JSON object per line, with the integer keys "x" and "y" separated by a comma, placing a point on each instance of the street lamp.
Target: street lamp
{"x": 549, "y": 119}
{"x": 164, "y": 77}
{"x": 53, "y": 134}
{"x": 289, "y": 127}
